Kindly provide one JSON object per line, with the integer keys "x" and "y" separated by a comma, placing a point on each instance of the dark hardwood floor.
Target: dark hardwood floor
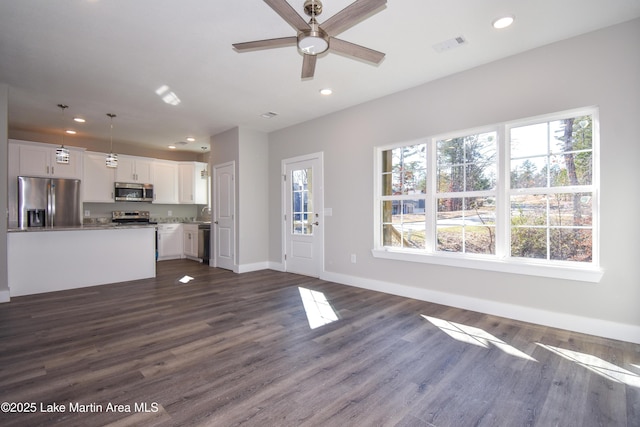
{"x": 228, "y": 349}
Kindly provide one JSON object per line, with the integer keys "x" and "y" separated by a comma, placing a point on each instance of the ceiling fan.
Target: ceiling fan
{"x": 313, "y": 39}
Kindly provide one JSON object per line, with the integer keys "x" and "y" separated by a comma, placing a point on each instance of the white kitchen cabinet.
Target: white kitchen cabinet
{"x": 36, "y": 159}
{"x": 190, "y": 237}
{"x": 170, "y": 241}
{"x": 98, "y": 179}
{"x": 194, "y": 179}
{"x": 134, "y": 169}
{"x": 165, "y": 182}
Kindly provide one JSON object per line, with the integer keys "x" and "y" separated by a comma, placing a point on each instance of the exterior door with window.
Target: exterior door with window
{"x": 224, "y": 215}
{"x": 303, "y": 225}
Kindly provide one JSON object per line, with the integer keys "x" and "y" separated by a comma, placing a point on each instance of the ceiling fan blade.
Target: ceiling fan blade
{"x": 308, "y": 66}
{"x": 266, "y": 44}
{"x": 288, "y": 13}
{"x": 350, "y": 15}
{"x": 355, "y": 50}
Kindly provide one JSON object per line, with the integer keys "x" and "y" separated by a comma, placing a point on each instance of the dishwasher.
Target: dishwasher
{"x": 204, "y": 242}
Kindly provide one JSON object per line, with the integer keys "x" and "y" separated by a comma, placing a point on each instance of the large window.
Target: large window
{"x": 551, "y": 196}
{"x": 466, "y": 178}
{"x": 516, "y": 194}
{"x": 404, "y": 186}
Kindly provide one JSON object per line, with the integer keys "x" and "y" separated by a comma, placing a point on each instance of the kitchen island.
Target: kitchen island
{"x": 54, "y": 259}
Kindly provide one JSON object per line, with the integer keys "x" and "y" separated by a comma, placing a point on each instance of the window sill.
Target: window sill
{"x": 582, "y": 274}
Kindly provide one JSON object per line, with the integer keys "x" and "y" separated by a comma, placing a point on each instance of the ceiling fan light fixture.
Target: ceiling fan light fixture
{"x": 312, "y": 42}
{"x": 313, "y": 39}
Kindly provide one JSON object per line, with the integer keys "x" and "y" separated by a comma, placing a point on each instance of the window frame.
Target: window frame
{"x": 501, "y": 261}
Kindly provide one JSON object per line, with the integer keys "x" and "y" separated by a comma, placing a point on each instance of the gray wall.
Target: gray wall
{"x": 253, "y": 215}
{"x": 600, "y": 68}
{"x": 249, "y": 149}
{"x": 225, "y": 147}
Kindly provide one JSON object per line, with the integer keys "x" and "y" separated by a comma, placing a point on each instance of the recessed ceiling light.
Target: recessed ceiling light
{"x": 190, "y": 139}
{"x": 79, "y": 119}
{"x": 70, "y": 131}
{"x": 503, "y": 22}
{"x": 326, "y": 91}
{"x": 173, "y": 147}
{"x": 167, "y": 95}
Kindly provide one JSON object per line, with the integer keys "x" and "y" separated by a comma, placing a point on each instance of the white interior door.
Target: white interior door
{"x": 224, "y": 216}
{"x": 304, "y": 215}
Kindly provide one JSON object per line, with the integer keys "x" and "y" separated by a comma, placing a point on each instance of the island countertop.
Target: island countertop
{"x": 104, "y": 226}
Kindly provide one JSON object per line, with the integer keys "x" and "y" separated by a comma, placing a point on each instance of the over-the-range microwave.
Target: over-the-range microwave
{"x": 133, "y": 192}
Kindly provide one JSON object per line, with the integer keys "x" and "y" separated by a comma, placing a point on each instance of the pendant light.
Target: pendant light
{"x": 62, "y": 153}
{"x": 112, "y": 159}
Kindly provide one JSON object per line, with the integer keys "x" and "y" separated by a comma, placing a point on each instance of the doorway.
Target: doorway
{"x": 224, "y": 239}
{"x": 303, "y": 197}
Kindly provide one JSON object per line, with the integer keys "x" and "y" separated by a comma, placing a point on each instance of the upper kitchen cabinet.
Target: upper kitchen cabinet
{"x": 36, "y": 159}
{"x": 194, "y": 183}
{"x": 134, "y": 169}
{"x": 97, "y": 184}
{"x": 165, "y": 182}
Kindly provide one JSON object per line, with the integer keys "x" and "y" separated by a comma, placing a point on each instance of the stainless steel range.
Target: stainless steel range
{"x": 131, "y": 217}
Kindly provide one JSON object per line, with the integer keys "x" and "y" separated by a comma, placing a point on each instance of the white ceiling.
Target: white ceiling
{"x": 110, "y": 56}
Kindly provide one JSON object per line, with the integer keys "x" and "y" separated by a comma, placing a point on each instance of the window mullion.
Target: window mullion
{"x": 431, "y": 201}
{"x": 503, "y": 221}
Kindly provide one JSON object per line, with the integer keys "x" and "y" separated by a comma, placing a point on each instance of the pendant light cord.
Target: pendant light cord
{"x": 111, "y": 116}
{"x": 63, "y": 107}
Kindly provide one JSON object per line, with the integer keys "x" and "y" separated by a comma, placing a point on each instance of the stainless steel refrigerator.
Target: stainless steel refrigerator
{"x": 48, "y": 202}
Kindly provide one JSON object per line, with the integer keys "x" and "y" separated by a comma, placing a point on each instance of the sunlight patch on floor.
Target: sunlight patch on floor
{"x": 475, "y": 336}
{"x": 319, "y": 311}
{"x": 597, "y": 365}
{"x": 185, "y": 279}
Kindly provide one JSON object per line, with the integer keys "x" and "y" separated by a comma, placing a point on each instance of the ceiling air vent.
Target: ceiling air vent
{"x": 268, "y": 115}
{"x": 450, "y": 44}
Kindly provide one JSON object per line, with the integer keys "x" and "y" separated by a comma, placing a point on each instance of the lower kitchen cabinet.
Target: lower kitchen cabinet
{"x": 170, "y": 241}
{"x": 190, "y": 244}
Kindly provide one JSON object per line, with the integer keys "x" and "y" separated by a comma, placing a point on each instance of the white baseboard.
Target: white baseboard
{"x": 246, "y": 268}
{"x": 5, "y": 296}
{"x": 585, "y": 325}
{"x": 277, "y": 266}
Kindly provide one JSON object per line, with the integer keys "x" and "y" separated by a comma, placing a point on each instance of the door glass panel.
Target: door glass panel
{"x": 302, "y": 201}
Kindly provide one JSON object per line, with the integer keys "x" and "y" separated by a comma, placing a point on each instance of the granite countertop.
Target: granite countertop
{"x": 105, "y": 223}
{"x": 103, "y": 226}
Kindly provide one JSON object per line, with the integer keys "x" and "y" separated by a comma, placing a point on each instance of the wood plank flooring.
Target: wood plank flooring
{"x": 230, "y": 350}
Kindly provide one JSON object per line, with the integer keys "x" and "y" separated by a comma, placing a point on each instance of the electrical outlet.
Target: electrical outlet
{"x": 353, "y": 258}
{"x": 87, "y": 214}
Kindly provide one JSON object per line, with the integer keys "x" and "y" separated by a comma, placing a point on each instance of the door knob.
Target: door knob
{"x": 215, "y": 222}
{"x": 316, "y": 223}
